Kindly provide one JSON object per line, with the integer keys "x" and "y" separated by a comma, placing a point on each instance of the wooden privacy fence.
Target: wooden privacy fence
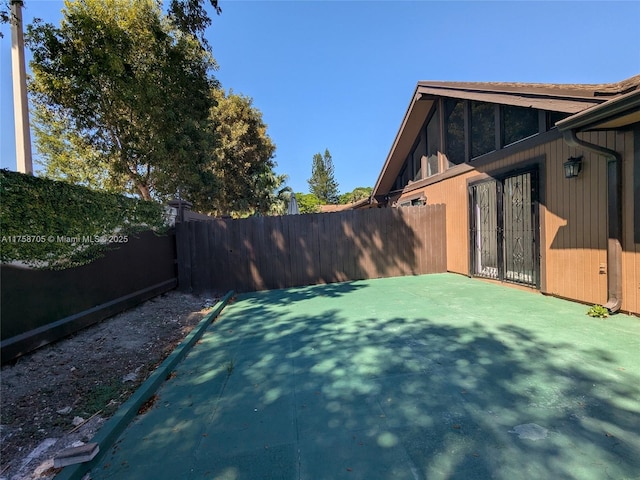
{"x": 42, "y": 306}
{"x": 262, "y": 253}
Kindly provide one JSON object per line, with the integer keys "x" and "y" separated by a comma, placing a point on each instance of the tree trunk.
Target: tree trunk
{"x": 144, "y": 191}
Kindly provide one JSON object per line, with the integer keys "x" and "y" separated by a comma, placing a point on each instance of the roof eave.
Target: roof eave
{"x": 424, "y": 92}
{"x": 526, "y": 99}
{"x": 416, "y": 96}
{"x": 581, "y": 101}
{"x": 625, "y": 107}
{"x": 586, "y": 91}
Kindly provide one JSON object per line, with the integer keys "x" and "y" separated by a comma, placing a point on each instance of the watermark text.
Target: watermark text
{"x": 68, "y": 239}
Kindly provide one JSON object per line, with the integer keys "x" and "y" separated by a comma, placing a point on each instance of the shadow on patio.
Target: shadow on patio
{"x": 349, "y": 388}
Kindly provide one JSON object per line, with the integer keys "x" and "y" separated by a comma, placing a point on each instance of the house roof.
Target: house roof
{"x": 347, "y": 206}
{"x": 550, "y": 89}
{"x": 566, "y": 98}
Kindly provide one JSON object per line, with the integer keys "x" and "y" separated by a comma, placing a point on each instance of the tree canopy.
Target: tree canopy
{"x": 188, "y": 16}
{"x": 322, "y": 182}
{"x": 135, "y": 89}
{"x": 66, "y": 155}
{"x": 356, "y": 194}
{"x": 242, "y": 161}
{"x": 308, "y": 203}
{"x": 125, "y": 101}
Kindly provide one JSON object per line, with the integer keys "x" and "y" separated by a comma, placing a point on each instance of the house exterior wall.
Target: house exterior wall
{"x": 572, "y": 216}
{"x": 630, "y": 249}
{"x": 453, "y": 193}
{"x": 574, "y": 234}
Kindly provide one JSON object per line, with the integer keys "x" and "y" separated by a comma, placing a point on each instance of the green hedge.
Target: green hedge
{"x": 55, "y": 225}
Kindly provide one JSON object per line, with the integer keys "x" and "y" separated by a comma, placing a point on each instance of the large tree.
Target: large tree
{"x": 134, "y": 87}
{"x": 242, "y": 160}
{"x": 68, "y": 156}
{"x": 187, "y": 15}
{"x": 322, "y": 182}
{"x": 241, "y": 163}
{"x": 190, "y": 16}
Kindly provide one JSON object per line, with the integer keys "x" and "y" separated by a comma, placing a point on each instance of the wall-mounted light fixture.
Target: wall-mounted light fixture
{"x": 572, "y": 167}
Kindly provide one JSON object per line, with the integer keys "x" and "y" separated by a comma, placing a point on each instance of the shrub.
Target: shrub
{"x": 55, "y": 225}
{"x": 598, "y": 311}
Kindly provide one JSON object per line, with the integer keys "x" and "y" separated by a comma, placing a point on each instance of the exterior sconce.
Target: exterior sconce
{"x": 572, "y": 167}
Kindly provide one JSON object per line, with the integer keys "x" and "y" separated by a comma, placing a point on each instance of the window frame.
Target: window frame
{"x": 444, "y": 164}
{"x": 540, "y": 126}
{"x": 497, "y": 119}
{"x": 444, "y": 126}
{"x": 418, "y": 200}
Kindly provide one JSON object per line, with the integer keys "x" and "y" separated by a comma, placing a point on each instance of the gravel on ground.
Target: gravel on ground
{"x": 58, "y": 396}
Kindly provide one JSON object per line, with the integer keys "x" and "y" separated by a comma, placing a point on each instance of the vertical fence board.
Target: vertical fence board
{"x": 442, "y": 235}
{"x": 313, "y": 254}
{"x": 258, "y": 270}
{"x": 263, "y": 251}
{"x": 335, "y": 229}
{"x": 382, "y": 230}
{"x": 403, "y": 242}
{"x": 324, "y": 250}
{"x": 416, "y": 227}
{"x": 192, "y": 238}
{"x": 245, "y": 256}
{"x": 294, "y": 245}
{"x": 424, "y": 232}
{"x": 430, "y": 240}
{"x": 345, "y": 254}
{"x": 362, "y": 244}
{"x": 213, "y": 259}
{"x": 392, "y": 244}
{"x": 183, "y": 257}
{"x": 224, "y": 253}
{"x": 235, "y": 247}
{"x": 309, "y": 254}
{"x": 347, "y": 257}
{"x": 200, "y": 257}
{"x": 279, "y": 238}
{"x": 304, "y": 268}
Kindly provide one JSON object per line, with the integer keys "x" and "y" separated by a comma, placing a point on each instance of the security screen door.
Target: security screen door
{"x": 503, "y": 227}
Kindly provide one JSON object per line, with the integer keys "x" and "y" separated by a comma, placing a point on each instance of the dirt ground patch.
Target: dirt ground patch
{"x": 60, "y": 395}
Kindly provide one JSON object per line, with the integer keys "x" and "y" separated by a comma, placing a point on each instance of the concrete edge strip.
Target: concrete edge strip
{"x": 115, "y": 425}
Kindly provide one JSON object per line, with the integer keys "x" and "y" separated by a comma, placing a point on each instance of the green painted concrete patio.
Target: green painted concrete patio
{"x": 427, "y": 377}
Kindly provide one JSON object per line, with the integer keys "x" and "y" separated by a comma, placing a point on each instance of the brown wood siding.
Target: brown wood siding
{"x": 573, "y": 219}
{"x": 276, "y": 252}
{"x": 572, "y": 223}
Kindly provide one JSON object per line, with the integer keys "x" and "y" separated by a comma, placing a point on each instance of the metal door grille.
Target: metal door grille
{"x": 484, "y": 230}
{"x": 503, "y": 229}
{"x": 519, "y": 249}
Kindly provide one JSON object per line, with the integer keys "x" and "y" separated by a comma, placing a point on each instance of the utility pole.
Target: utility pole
{"x": 20, "y": 102}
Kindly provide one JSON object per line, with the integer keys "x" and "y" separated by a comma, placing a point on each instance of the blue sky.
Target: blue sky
{"x": 340, "y": 74}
